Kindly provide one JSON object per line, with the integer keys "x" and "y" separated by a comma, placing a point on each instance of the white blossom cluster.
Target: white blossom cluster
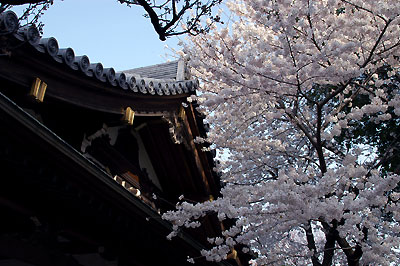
{"x": 278, "y": 86}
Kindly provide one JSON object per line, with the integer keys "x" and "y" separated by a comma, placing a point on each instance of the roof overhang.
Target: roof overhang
{"x": 74, "y": 79}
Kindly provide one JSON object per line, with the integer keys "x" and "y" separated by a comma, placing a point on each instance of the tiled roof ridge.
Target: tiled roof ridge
{"x": 128, "y": 81}
{"x": 165, "y": 71}
{"x": 155, "y": 65}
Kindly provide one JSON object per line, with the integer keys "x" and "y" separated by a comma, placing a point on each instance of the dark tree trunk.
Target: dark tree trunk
{"x": 354, "y": 259}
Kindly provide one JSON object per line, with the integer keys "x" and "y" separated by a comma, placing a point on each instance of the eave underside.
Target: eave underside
{"x": 83, "y": 205}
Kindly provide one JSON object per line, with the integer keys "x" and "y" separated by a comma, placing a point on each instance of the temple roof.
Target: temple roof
{"x": 161, "y": 79}
{"x": 172, "y": 71}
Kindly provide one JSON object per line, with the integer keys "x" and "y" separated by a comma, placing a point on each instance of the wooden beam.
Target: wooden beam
{"x": 129, "y": 115}
{"x": 38, "y": 89}
{"x": 200, "y": 163}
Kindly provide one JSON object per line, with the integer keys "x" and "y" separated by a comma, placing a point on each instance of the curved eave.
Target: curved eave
{"x": 66, "y": 84}
{"x": 75, "y": 80}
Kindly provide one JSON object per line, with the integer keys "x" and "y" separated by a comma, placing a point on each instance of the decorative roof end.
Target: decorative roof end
{"x": 8, "y": 22}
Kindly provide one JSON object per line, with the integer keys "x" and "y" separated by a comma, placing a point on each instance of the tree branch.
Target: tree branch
{"x": 318, "y": 146}
{"x": 153, "y": 17}
{"x": 23, "y": 2}
{"x": 371, "y": 53}
{"x": 311, "y": 245}
{"x": 329, "y": 248}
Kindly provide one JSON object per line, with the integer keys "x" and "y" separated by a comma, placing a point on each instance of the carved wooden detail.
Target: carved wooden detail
{"x": 38, "y": 89}
{"x": 177, "y": 129}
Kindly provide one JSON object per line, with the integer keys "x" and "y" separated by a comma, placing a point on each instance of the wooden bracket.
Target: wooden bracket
{"x": 129, "y": 115}
{"x": 211, "y": 198}
{"x": 38, "y": 89}
{"x": 232, "y": 254}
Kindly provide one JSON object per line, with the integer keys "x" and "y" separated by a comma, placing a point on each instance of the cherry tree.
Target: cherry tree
{"x": 279, "y": 83}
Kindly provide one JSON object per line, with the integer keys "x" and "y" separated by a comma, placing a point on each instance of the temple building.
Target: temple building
{"x": 90, "y": 157}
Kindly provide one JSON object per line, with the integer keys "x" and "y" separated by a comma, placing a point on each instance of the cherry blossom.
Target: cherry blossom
{"x": 279, "y": 86}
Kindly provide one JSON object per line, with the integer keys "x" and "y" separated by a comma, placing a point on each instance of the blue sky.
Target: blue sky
{"x": 107, "y": 32}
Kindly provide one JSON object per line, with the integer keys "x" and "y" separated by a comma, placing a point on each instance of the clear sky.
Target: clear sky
{"x": 107, "y": 32}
